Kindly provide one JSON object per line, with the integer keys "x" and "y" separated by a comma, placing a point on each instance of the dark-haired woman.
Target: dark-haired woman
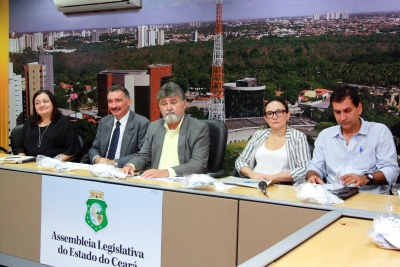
{"x": 47, "y": 132}
{"x": 278, "y": 152}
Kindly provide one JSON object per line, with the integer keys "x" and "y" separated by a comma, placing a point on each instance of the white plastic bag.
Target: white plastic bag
{"x": 385, "y": 231}
{"x": 106, "y": 171}
{"x": 203, "y": 181}
{"x": 316, "y": 193}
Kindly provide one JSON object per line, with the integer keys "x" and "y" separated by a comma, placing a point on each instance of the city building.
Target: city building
{"x": 315, "y": 17}
{"x": 95, "y": 36}
{"x": 337, "y": 15}
{"x": 193, "y": 36}
{"x": 47, "y": 60}
{"x": 244, "y": 98}
{"x": 34, "y": 81}
{"x": 143, "y": 86}
{"x": 50, "y": 40}
{"x": 141, "y": 36}
{"x": 15, "y": 101}
{"x": 149, "y": 36}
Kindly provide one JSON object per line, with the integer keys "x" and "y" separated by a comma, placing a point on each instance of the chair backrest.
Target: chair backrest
{"x": 14, "y": 137}
{"x": 78, "y": 156}
{"x": 218, "y": 137}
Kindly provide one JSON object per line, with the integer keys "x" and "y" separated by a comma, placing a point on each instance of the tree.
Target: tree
{"x": 61, "y": 97}
{"x": 323, "y": 125}
{"x": 87, "y": 131}
{"x": 269, "y": 94}
{"x": 290, "y": 95}
{"x": 195, "y": 112}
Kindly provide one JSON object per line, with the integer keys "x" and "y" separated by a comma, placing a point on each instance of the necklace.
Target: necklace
{"x": 41, "y": 137}
{"x": 275, "y": 139}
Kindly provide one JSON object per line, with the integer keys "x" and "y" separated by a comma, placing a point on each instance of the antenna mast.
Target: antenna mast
{"x": 217, "y": 99}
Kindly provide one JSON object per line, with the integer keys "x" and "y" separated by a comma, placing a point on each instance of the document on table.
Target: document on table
{"x": 244, "y": 182}
{"x": 17, "y": 159}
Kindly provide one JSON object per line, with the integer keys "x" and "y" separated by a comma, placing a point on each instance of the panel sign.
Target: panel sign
{"x": 87, "y": 223}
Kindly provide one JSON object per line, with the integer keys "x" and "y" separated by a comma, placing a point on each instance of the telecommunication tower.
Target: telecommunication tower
{"x": 217, "y": 99}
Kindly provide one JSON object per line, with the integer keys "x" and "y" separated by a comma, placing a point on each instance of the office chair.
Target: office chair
{"x": 78, "y": 156}
{"x": 218, "y": 137}
{"x": 14, "y": 137}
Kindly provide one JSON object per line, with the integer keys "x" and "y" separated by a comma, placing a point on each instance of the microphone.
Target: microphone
{"x": 263, "y": 187}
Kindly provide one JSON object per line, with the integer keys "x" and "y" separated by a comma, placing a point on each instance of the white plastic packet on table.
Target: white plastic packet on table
{"x": 106, "y": 171}
{"x": 385, "y": 231}
{"x": 52, "y": 164}
{"x": 203, "y": 181}
{"x": 316, "y": 193}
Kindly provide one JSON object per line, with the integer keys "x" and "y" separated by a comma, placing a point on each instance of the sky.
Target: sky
{"x": 42, "y": 15}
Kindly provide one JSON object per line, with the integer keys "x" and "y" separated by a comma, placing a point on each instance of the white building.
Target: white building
{"x": 15, "y": 107}
{"x": 149, "y": 36}
{"x": 50, "y": 40}
{"x": 95, "y": 36}
{"x": 13, "y": 45}
{"x": 193, "y": 36}
{"x": 160, "y": 37}
{"x": 338, "y": 15}
{"x": 141, "y": 36}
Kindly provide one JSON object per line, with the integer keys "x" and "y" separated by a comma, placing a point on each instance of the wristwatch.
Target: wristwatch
{"x": 370, "y": 178}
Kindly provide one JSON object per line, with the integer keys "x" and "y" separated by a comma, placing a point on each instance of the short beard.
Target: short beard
{"x": 171, "y": 118}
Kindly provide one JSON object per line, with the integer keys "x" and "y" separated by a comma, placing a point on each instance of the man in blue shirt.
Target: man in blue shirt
{"x": 358, "y": 152}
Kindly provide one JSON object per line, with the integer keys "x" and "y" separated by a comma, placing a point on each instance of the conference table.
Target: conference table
{"x": 239, "y": 226}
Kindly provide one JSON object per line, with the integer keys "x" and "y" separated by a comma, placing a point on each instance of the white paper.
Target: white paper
{"x": 337, "y": 183}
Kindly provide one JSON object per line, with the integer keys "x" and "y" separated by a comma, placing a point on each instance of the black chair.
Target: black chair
{"x": 3, "y": 150}
{"x": 77, "y": 158}
{"x": 218, "y": 137}
{"x": 14, "y": 137}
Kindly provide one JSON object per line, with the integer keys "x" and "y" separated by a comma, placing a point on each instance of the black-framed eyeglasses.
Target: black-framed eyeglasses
{"x": 278, "y": 113}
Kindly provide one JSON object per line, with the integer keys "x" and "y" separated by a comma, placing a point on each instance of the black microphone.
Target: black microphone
{"x": 263, "y": 187}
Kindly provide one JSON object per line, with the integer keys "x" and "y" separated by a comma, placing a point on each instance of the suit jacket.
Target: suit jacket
{"x": 132, "y": 140}
{"x": 193, "y": 147}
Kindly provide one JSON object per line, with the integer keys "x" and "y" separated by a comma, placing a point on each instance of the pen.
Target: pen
{"x": 248, "y": 182}
{"x": 361, "y": 150}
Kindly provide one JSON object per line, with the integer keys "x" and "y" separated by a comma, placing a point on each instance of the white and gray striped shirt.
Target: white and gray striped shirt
{"x": 298, "y": 152}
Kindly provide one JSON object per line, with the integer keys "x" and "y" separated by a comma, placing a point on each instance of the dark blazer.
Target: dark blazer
{"x": 132, "y": 140}
{"x": 193, "y": 147}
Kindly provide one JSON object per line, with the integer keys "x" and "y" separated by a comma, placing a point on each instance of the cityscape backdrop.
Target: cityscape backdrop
{"x": 296, "y": 49}
{"x": 34, "y": 16}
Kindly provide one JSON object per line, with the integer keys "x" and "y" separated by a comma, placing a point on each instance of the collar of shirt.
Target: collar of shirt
{"x": 123, "y": 121}
{"x": 177, "y": 128}
{"x": 363, "y": 130}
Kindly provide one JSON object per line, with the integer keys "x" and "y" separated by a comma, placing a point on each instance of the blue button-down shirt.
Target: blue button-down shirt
{"x": 371, "y": 149}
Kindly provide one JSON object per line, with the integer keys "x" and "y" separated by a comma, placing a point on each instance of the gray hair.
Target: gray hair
{"x": 170, "y": 89}
{"x": 121, "y": 88}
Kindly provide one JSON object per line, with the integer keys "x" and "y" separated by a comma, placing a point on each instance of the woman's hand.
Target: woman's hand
{"x": 258, "y": 176}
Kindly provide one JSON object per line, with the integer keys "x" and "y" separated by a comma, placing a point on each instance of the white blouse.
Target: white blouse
{"x": 271, "y": 161}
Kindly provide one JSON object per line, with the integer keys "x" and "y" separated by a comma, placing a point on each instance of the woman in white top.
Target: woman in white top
{"x": 276, "y": 153}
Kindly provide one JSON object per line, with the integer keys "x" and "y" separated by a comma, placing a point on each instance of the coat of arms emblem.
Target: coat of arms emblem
{"x": 96, "y": 216}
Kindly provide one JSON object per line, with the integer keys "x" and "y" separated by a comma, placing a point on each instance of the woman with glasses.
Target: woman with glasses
{"x": 278, "y": 152}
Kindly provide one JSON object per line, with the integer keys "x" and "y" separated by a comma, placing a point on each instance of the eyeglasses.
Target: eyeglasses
{"x": 278, "y": 113}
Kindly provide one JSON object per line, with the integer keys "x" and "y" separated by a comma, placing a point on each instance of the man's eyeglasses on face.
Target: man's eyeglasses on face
{"x": 278, "y": 113}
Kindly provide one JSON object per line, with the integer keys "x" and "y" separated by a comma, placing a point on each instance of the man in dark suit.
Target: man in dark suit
{"x": 175, "y": 145}
{"x": 121, "y": 134}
